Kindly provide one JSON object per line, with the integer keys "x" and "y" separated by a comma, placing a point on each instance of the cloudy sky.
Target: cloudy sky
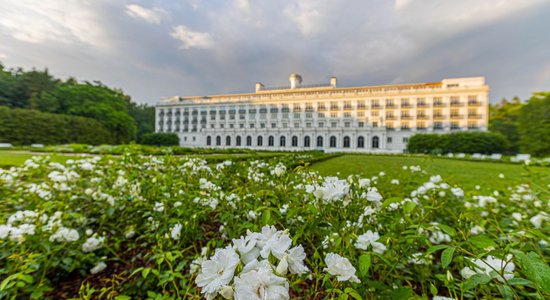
{"x": 158, "y": 48}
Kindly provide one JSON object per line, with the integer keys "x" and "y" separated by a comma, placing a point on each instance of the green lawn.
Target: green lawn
{"x": 465, "y": 173}
{"x": 17, "y": 158}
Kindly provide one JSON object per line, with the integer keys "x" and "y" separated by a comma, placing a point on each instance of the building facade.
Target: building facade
{"x": 300, "y": 117}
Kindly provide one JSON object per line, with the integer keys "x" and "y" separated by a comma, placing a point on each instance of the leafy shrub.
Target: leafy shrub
{"x": 160, "y": 139}
{"x": 25, "y": 127}
{"x": 458, "y": 142}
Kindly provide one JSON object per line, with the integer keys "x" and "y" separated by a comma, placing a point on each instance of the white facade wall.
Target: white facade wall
{"x": 390, "y": 113}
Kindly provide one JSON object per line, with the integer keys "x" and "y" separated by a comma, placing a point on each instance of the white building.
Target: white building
{"x": 300, "y": 117}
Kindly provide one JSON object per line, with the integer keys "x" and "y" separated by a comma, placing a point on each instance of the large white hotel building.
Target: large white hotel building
{"x": 300, "y": 117}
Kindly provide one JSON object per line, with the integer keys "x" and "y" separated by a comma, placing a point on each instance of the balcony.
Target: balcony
{"x": 406, "y": 105}
{"x": 347, "y": 107}
{"x": 422, "y": 105}
{"x": 475, "y": 116}
{"x": 321, "y": 108}
{"x": 456, "y": 116}
{"x": 375, "y": 106}
{"x": 422, "y": 117}
{"x": 474, "y": 103}
{"x": 406, "y": 117}
{"x": 437, "y": 117}
{"x": 391, "y": 105}
{"x": 391, "y": 117}
{"x": 439, "y": 104}
{"x": 456, "y": 103}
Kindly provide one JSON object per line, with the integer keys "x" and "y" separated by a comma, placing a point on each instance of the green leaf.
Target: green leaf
{"x": 433, "y": 290}
{"x": 506, "y": 292}
{"x": 145, "y": 272}
{"x": 520, "y": 281}
{"x": 475, "y": 280}
{"x": 266, "y": 217}
{"x": 447, "y": 256}
{"x": 482, "y": 242}
{"x": 448, "y": 229}
{"x": 353, "y": 293}
{"x": 123, "y": 297}
{"x": 409, "y": 206}
{"x": 365, "y": 261}
{"x": 535, "y": 269}
{"x": 434, "y": 248}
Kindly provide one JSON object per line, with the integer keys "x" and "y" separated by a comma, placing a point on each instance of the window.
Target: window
{"x": 347, "y": 114}
{"x": 296, "y": 125}
{"x": 332, "y": 142}
{"x": 389, "y": 140}
{"x": 251, "y": 125}
{"x": 273, "y": 125}
{"x": 285, "y": 125}
{"x": 374, "y": 124}
{"x": 346, "y": 142}
{"x": 333, "y": 115}
{"x": 375, "y": 142}
{"x": 333, "y": 124}
{"x": 319, "y": 141}
{"x": 222, "y": 125}
{"x": 231, "y": 125}
{"x": 260, "y": 141}
{"x": 361, "y": 124}
{"x": 360, "y": 142}
{"x": 271, "y": 141}
{"x": 405, "y": 140}
{"x": 360, "y": 113}
{"x": 218, "y": 140}
{"x": 438, "y": 125}
{"x": 307, "y": 141}
{"x": 249, "y": 141}
{"x": 208, "y": 140}
{"x": 308, "y": 125}
{"x": 321, "y": 124}
{"x": 294, "y": 141}
{"x": 347, "y": 124}
{"x": 241, "y": 126}
{"x": 228, "y": 141}
{"x": 238, "y": 141}
{"x": 282, "y": 141}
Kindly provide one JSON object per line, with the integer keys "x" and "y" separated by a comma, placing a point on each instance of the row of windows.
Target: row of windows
{"x": 346, "y": 141}
{"x": 330, "y": 105}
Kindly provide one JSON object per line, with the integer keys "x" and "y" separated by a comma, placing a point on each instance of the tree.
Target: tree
{"x": 504, "y": 119}
{"x": 144, "y": 115}
{"x": 534, "y": 121}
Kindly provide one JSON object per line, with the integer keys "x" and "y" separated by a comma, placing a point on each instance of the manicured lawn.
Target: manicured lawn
{"x": 466, "y": 173}
{"x": 17, "y": 158}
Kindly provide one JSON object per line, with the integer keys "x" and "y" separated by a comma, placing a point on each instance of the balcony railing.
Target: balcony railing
{"x": 391, "y": 117}
{"x": 457, "y": 103}
{"x": 406, "y": 117}
{"x": 456, "y": 116}
{"x": 474, "y": 103}
{"x": 422, "y": 117}
{"x": 439, "y": 104}
{"x": 474, "y": 116}
{"x": 422, "y": 105}
{"x": 439, "y": 116}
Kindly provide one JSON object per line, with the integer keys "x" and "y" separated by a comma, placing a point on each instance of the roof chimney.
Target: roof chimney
{"x": 295, "y": 80}
{"x": 259, "y": 86}
{"x": 333, "y": 81}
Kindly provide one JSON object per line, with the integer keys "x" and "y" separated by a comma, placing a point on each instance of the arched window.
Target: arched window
{"x": 218, "y": 140}
{"x": 375, "y": 142}
{"x": 319, "y": 141}
{"x": 332, "y": 142}
{"x": 360, "y": 142}
{"x": 249, "y": 141}
{"x": 307, "y": 142}
{"x": 294, "y": 141}
{"x": 271, "y": 141}
{"x": 228, "y": 141}
{"x": 260, "y": 140}
{"x": 346, "y": 142}
{"x": 208, "y": 140}
{"x": 282, "y": 141}
{"x": 238, "y": 140}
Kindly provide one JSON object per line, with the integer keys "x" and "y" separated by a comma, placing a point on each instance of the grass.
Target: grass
{"x": 464, "y": 173}
{"x": 17, "y": 158}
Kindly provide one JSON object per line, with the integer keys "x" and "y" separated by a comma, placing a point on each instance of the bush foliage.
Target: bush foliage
{"x": 160, "y": 139}
{"x": 25, "y": 126}
{"x": 459, "y": 142}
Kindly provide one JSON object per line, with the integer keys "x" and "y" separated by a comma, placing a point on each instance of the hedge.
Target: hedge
{"x": 26, "y": 126}
{"x": 458, "y": 142}
{"x": 160, "y": 139}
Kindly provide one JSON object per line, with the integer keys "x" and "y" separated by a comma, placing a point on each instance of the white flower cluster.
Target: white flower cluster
{"x": 278, "y": 170}
{"x": 370, "y": 238}
{"x": 331, "y": 190}
{"x": 259, "y": 278}
{"x": 493, "y": 267}
{"x": 341, "y": 267}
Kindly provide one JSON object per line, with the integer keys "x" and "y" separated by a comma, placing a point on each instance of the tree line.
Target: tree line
{"x": 35, "y": 96}
{"x": 514, "y": 127}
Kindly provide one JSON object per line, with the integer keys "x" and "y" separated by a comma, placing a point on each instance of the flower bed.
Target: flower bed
{"x": 171, "y": 227}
